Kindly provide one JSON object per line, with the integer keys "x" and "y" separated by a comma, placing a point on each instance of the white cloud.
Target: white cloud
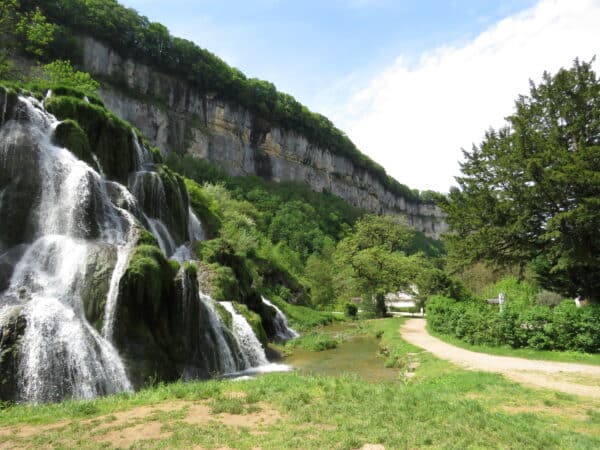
{"x": 415, "y": 120}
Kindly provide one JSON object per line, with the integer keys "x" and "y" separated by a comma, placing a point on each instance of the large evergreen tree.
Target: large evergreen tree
{"x": 530, "y": 193}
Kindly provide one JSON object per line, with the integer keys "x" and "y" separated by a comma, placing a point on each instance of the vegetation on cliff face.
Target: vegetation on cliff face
{"x": 133, "y": 35}
{"x": 293, "y": 244}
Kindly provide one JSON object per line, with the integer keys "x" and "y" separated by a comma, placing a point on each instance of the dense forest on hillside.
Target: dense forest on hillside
{"x": 135, "y": 36}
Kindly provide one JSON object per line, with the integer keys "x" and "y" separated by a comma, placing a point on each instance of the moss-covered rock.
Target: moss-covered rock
{"x": 175, "y": 214}
{"x": 162, "y": 195}
{"x": 224, "y": 315}
{"x": 142, "y": 331}
{"x": 220, "y": 252}
{"x": 205, "y": 208}
{"x": 100, "y": 266}
{"x": 12, "y": 328}
{"x": 68, "y": 134}
{"x": 110, "y": 138}
{"x": 254, "y": 320}
{"x": 8, "y": 103}
{"x": 20, "y": 184}
{"x": 148, "y": 278}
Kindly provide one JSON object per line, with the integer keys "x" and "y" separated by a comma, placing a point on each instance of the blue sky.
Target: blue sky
{"x": 343, "y": 57}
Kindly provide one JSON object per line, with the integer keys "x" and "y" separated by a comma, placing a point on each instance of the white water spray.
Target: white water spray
{"x": 282, "y": 329}
{"x": 254, "y": 354}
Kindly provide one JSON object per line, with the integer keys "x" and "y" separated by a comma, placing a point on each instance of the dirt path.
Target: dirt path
{"x": 546, "y": 374}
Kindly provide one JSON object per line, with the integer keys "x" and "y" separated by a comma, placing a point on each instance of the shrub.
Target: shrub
{"x": 519, "y": 324}
{"x": 351, "y": 309}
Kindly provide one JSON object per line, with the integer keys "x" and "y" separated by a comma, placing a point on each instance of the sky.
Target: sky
{"x": 411, "y": 82}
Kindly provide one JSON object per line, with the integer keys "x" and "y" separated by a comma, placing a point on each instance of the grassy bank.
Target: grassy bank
{"x": 440, "y": 406}
{"x": 570, "y": 357}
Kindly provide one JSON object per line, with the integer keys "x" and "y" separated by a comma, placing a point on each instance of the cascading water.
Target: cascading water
{"x": 143, "y": 158}
{"x": 282, "y": 329}
{"x": 148, "y": 189}
{"x": 62, "y": 355}
{"x": 229, "y": 362}
{"x": 185, "y": 252}
{"x": 254, "y": 354}
{"x": 63, "y": 255}
{"x": 195, "y": 228}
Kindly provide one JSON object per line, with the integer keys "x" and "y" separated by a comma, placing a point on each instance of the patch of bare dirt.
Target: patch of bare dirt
{"x": 124, "y": 428}
{"x": 557, "y": 376}
{"x": 126, "y": 437}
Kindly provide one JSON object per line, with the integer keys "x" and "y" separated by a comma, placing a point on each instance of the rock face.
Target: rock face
{"x": 176, "y": 117}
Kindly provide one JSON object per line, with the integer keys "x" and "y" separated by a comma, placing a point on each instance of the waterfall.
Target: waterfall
{"x": 148, "y": 189}
{"x": 123, "y": 255}
{"x": 5, "y": 106}
{"x": 254, "y": 354}
{"x": 227, "y": 358}
{"x": 62, "y": 355}
{"x": 195, "y": 228}
{"x": 196, "y": 232}
{"x": 282, "y": 329}
{"x": 143, "y": 158}
{"x": 66, "y": 238}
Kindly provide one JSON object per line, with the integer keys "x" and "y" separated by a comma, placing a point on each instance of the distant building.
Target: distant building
{"x": 402, "y": 299}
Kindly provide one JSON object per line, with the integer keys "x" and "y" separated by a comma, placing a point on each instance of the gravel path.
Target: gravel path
{"x": 558, "y": 376}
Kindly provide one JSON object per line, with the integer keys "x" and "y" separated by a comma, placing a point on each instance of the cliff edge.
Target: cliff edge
{"x": 176, "y": 117}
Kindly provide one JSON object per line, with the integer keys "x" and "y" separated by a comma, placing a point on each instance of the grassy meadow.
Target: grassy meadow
{"x": 432, "y": 404}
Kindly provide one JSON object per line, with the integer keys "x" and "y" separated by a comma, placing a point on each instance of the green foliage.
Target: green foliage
{"x": 204, "y": 207}
{"x": 531, "y": 190}
{"x": 235, "y": 275}
{"x": 294, "y": 223}
{"x": 319, "y": 273}
{"x": 520, "y": 293}
{"x": 314, "y": 342}
{"x": 61, "y": 73}
{"x": 24, "y": 31}
{"x": 350, "y": 309}
{"x": 301, "y": 317}
{"x": 520, "y": 324}
{"x": 35, "y": 33}
{"x": 379, "y": 255}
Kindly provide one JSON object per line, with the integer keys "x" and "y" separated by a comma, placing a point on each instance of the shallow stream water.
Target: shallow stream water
{"x": 357, "y": 355}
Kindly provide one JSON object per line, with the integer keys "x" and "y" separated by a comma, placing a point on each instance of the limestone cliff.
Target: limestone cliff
{"x": 176, "y": 117}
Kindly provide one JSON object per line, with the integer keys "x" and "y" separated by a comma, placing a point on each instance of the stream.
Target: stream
{"x": 357, "y": 355}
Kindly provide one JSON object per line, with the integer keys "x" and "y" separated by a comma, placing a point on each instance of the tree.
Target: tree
{"x": 22, "y": 31}
{"x": 62, "y": 73}
{"x": 373, "y": 258}
{"x": 531, "y": 190}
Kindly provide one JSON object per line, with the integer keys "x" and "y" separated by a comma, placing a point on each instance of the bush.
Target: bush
{"x": 565, "y": 327}
{"x": 351, "y": 309}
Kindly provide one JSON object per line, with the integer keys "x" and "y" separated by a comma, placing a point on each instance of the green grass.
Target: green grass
{"x": 314, "y": 342}
{"x": 303, "y": 318}
{"x": 527, "y": 353}
{"x": 441, "y": 407}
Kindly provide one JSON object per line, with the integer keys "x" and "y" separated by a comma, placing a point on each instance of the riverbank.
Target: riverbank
{"x": 440, "y": 405}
